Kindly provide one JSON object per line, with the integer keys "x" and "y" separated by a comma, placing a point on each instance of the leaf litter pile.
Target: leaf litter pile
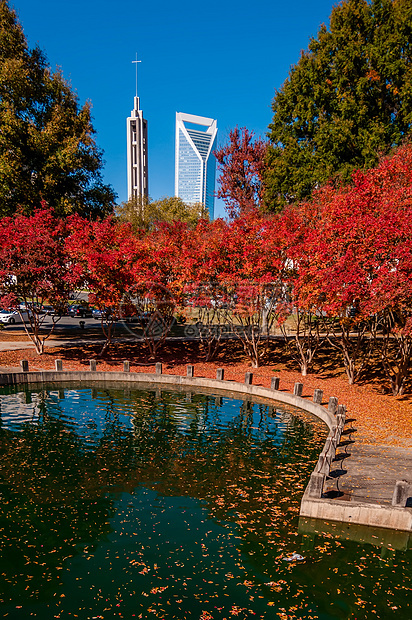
{"x": 127, "y": 504}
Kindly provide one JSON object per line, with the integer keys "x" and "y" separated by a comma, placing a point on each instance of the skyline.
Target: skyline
{"x": 223, "y": 62}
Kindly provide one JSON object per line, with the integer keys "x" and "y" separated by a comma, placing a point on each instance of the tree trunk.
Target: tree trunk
{"x": 396, "y": 351}
{"x": 108, "y": 333}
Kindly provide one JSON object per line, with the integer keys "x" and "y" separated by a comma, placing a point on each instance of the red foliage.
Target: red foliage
{"x": 347, "y": 249}
{"x": 354, "y": 250}
{"x": 231, "y": 272}
{"x": 241, "y": 164}
{"x": 102, "y": 255}
{"x": 33, "y": 267}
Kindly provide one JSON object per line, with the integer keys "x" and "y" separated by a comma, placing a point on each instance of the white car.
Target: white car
{"x": 10, "y": 317}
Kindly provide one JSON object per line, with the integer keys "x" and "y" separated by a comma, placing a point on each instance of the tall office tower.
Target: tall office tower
{"x": 195, "y": 165}
{"x": 137, "y": 176}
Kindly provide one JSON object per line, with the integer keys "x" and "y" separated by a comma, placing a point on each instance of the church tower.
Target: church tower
{"x": 137, "y": 174}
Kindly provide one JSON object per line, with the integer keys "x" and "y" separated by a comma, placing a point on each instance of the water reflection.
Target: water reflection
{"x": 130, "y": 503}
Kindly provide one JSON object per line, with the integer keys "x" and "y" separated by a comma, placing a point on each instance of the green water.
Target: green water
{"x": 136, "y": 504}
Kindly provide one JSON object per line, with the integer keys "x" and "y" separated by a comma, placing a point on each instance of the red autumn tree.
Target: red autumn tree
{"x": 102, "y": 254}
{"x": 255, "y": 274}
{"x": 356, "y": 262}
{"x": 298, "y": 321}
{"x": 236, "y": 270}
{"x": 233, "y": 274}
{"x": 241, "y": 163}
{"x": 34, "y": 269}
{"x": 200, "y": 261}
{"x": 384, "y": 255}
{"x": 330, "y": 278}
{"x": 157, "y": 281}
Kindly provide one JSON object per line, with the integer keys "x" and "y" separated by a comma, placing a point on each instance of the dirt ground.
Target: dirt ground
{"x": 378, "y": 416}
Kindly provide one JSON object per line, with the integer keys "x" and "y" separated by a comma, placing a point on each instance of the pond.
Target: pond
{"x": 118, "y": 503}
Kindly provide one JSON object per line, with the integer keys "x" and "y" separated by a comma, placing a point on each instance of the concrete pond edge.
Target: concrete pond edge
{"x": 314, "y": 505}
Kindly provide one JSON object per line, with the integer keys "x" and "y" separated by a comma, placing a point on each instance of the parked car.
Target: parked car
{"x": 98, "y": 313}
{"x": 30, "y": 307}
{"x": 10, "y": 317}
{"x": 79, "y": 311}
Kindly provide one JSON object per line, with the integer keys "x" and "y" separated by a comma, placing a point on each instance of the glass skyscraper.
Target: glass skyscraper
{"x": 195, "y": 167}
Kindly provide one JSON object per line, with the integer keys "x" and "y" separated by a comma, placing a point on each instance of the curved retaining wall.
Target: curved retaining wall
{"x": 24, "y": 378}
{"x": 313, "y": 505}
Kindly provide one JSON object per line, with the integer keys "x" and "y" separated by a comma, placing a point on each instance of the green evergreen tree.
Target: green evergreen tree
{"x": 47, "y": 149}
{"x": 346, "y": 102}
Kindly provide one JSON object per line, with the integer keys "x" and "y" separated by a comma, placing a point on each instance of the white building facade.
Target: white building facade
{"x": 137, "y": 163}
{"x": 195, "y": 164}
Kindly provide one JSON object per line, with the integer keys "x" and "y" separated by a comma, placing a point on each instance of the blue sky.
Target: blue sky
{"x": 222, "y": 59}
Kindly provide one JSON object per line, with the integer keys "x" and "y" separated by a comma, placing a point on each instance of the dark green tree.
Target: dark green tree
{"x": 47, "y": 148}
{"x": 346, "y": 102}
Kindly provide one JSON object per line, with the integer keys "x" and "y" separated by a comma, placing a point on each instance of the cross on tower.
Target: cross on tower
{"x": 134, "y": 62}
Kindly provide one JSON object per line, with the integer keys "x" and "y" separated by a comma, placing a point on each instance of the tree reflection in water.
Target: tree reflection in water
{"x": 123, "y": 503}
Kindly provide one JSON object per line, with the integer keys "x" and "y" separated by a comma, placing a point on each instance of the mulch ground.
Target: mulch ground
{"x": 378, "y": 417}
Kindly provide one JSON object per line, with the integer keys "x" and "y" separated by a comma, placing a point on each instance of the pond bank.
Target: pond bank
{"x": 359, "y": 482}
